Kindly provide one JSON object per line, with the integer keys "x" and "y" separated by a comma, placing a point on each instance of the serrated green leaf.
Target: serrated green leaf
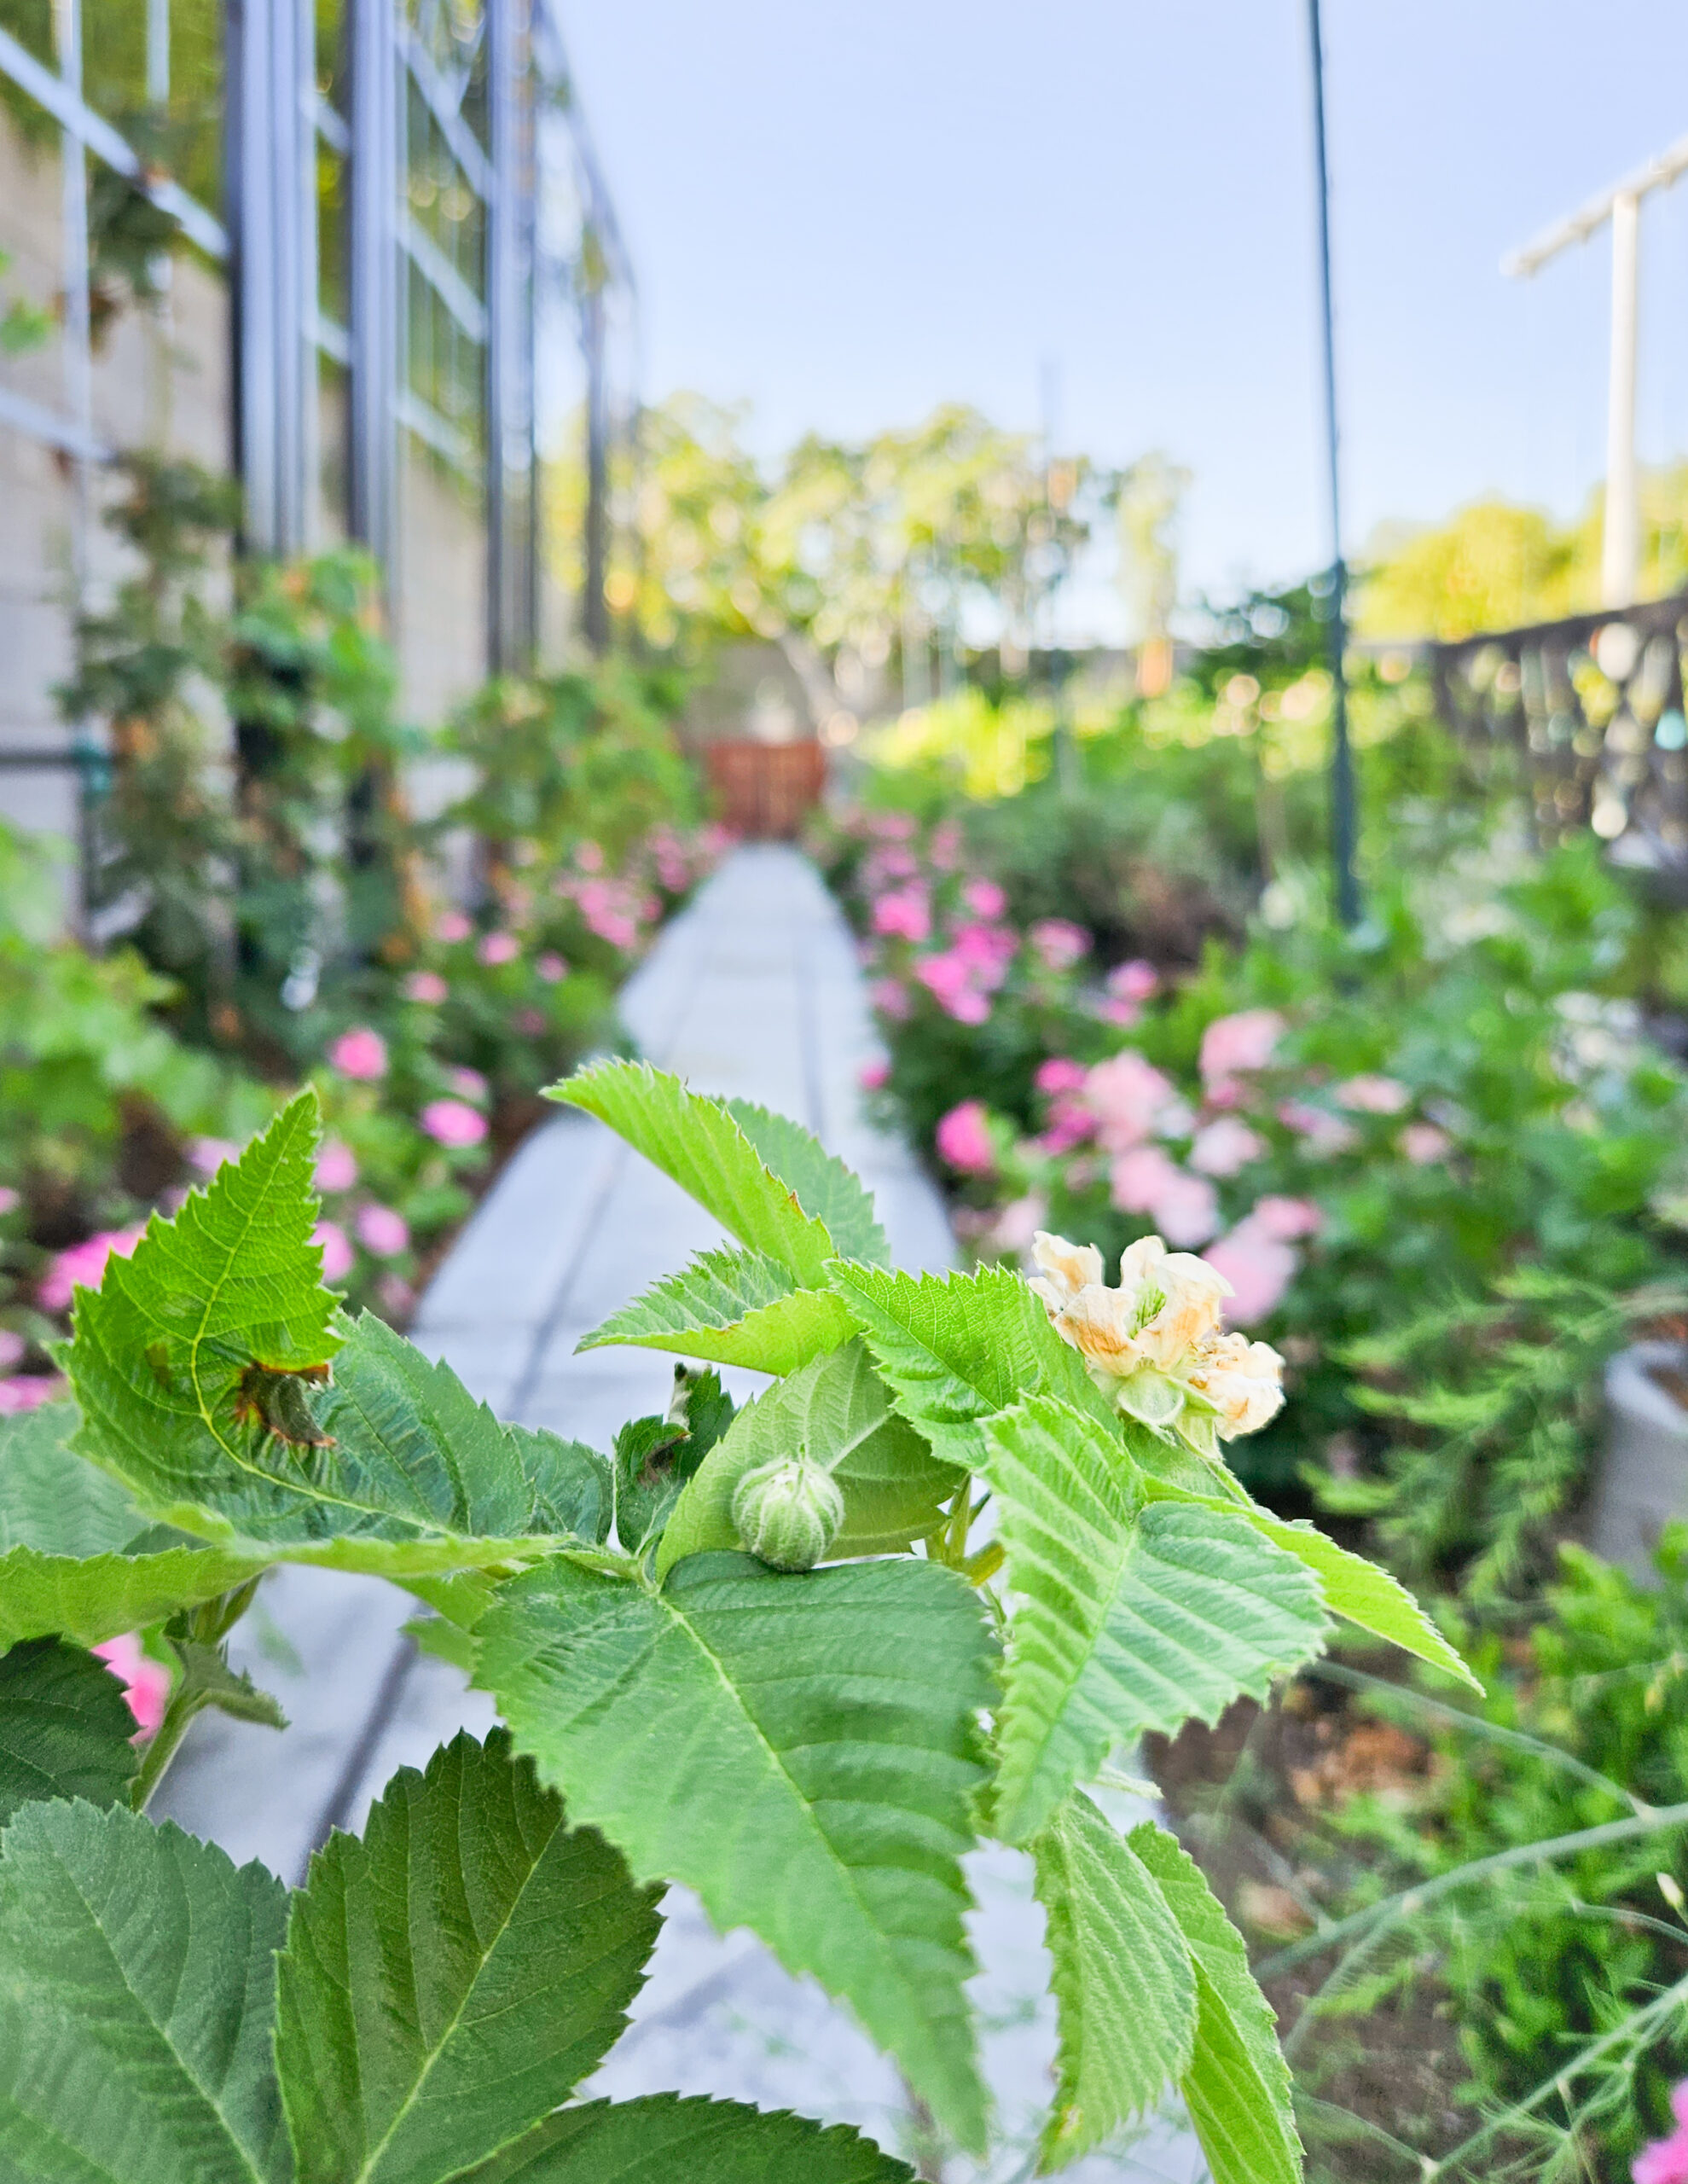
{"x": 705, "y": 1150}
{"x": 832, "y": 1193}
{"x": 51, "y": 1498}
{"x": 800, "y": 1750}
{"x": 64, "y": 1728}
{"x": 838, "y": 1410}
{"x": 667, "y": 2139}
{"x": 1360, "y": 1592}
{"x": 95, "y": 1598}
{"x": 137, "y": 1996}
{"x": 451, "y": 1977}
{"x": 1237, "y": 2088}
{"x": 207, "y": 1677}
{"x": 1125, "y": 1988}
{"x": 957, "y": 1348}
{"x": 734, "y": 1307}
{"x": 1129, "y": 1617}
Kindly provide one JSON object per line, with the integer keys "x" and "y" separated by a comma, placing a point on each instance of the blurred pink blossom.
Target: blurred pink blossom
{"x": 944, "y": 848}
{"x": 336, "y": 1167}
{"x": 892, "y": 861}
{"x": 83, "y": 1265}
{"x": 588, "y": 857}
{"x": 12, "y": 1348}
{"x": 964, "y": 1139}
{"x": 1223, "y": 1146}
{"x": 452, "y": 926}
{"x": 382, "y": 1231}
{"x": 426, "y": 987}
{"x": 1139, "y": 1177}
{"x": 891, "y": 998}
{"x": 453, "y": 1122}
{"x": 359, "y": 1052}
{"x": 1259, "y": 1268}
{"x": 874, "y": 1076}
{"x": 1069, "y": 1124}
{"x": 10, "y": 1200}
{"x": 1128, "y": 1096}
{"x": 1371, "y": 1094}
{"x": 1059, "y": 943}
{"x": 27, "y": 1391}
{"x": 903, "y": 914}
{"x": 467, "y": 1083}
{"x": 1666, "y": 2160}
{"x": 530, "y": 1022}
{"x": 338, "y": 1256}
{"x": 890, "y": 826}
{"x": 1233, "y": 1044}
{"x": 395, "y": 1295}
{"x": 955, "y": 985}
{"x": 146, "y": 1682}
{"x": 496, "y": 948}
{"x": 1424, "y": 1143}
{"x": 987, "y": 950}
{"x": 984, "y": 899}
{"x": 205, "y": 1155}
{"x": 1016, "y": 1225}
{"x": 1321, "y": 1133}
{"x": 1133, "y": 981}
{"x": 1284, "y": 1219}
{"x": 1059, "y": 1074}
{"x": 551, "y": 966}
{"x": 1183, "y": 1206}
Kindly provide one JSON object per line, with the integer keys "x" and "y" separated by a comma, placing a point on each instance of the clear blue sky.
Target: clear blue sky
{"x": 845, "y": 211}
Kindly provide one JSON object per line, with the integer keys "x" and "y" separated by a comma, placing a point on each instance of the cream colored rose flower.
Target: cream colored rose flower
{"x": 1243, "y": 1380}
{"x": 1179, "y": 1300}
{"x": 1066, "y": 1268}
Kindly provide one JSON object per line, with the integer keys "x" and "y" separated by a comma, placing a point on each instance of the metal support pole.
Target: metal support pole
{"x": 373, "y": 482}
{"x": 1342, "y": 816}
{"x": 511, "y": 634}
{"x": 1620, "y": 554}
{"x": 595, "y": 607}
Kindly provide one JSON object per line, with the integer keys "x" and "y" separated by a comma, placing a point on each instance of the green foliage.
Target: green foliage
{"x": 1125, "y": 1985}
{"x": 468, "y": 1919}
{"x": 1133, "y": 1618}
{"x": 735, "y": 1308}
{"x": 800, "y": 1750}
{"x": 704, "y": 2141}
{"x": 64, "y": 1728}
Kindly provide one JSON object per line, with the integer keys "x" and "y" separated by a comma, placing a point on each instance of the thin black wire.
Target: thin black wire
{"x": 1342, "y": 755}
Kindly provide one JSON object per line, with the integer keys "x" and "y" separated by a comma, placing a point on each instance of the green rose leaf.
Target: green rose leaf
{"x": 64, "y": 1728}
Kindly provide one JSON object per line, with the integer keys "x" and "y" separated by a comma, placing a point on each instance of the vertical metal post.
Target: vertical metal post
{"x": 596, "y": 606}
{"x": 267, "y": 145}
{"x": 1620, "y": 554}
{"x": 510, "y": 348}
{"x": 79, "y": 368}
{"x": 1343, "y": 817}
{"x": 374, "y": 299}
{"x": 157, "y": 55}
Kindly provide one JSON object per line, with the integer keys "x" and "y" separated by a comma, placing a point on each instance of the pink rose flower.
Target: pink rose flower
{"x": 1133, "y": 981}
{"x": 336, "y": 1167}
{"x": 1372, "y": 1095}
{"x": 395, "y": 1295}
{"x": 551, "y": 966}
{"x": 1129, "y": 1097}
{"x": 1666, "y": 2160}
{"x": 1015, "y": 1226}
{"x": 1424, "y": 1143}
{"x": 451, "y": 925}
{"x": 1284, "y": 1219}
{"x": 453, "y": 1122}
{"x": 1139, "y": 1176}
{"x": 82, "y": 1266}
{"x": 1321, "y": 1133}
{"x": 496, "y": 948}
{"x": 467, "y": 1083}
{"x": 874, "y": 1076}
{"x": 146, "y": 1682}
{"x": 382, "y": 1231}
{"x": 1058, "y": 1074}
{"x": 338, "y": 1256}
{"x": 12, "y": 1348}
{"x": 964, "y": 1139}
{"x": 903, "y": 914}
{"x": 1223, "y": 1146}
{"x": 954, "y": 984}
{"x": 1235, "y": 1045}
{"x": 205, "y": 1155}
{"x": 28, "y": 1391}
{"x": 1259, "y": 1268}
{"x": 361, "y": 1054}
{"x": 891, "y": 997}
{"x": 426, "y": 987}
{"x": 1183, "y": 1207}
{"x": 984, "y": 899}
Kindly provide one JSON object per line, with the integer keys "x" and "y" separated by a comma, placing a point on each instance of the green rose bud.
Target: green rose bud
{"x": 787, "y": 1512}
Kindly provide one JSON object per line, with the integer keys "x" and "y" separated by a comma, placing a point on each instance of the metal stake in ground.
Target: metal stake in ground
{"x": 1342, "y": 755}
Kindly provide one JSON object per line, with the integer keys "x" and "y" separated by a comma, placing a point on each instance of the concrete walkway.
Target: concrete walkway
{"x": 754, "y": 992}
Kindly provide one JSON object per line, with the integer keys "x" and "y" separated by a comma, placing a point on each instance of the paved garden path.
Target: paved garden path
{"x": 754, "y": 991}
